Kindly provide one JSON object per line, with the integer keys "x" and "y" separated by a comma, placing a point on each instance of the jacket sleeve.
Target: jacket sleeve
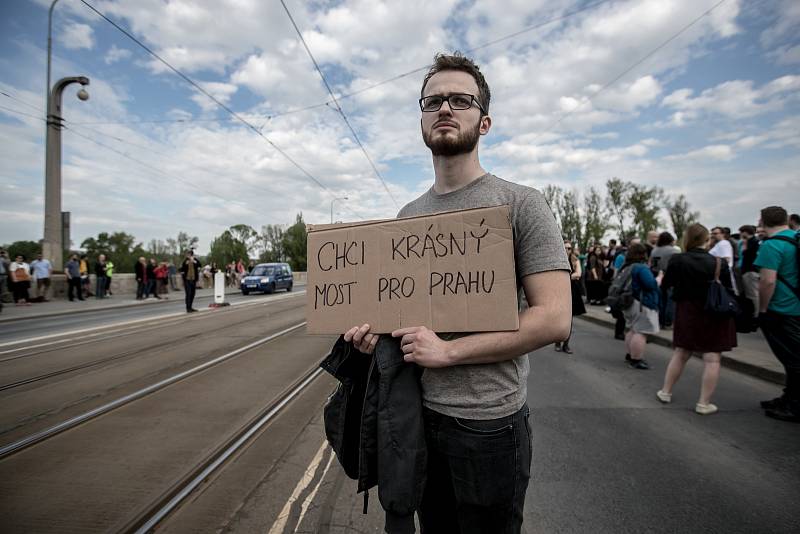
{"x": 402, "y": 453}
{"x": 646, "y": 279}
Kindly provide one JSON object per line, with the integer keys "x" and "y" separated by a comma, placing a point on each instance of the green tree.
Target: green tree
{"x": 29, "y": 249}
{"x": 226, "y": 248}
{"x": 617, "y": 192}
{"x": 271, "y": 243}
{"x": 552, "y": 194}
{"x": 119, "y": 247}
{"x": 680, "y": 215}
{"x": 596, "y": 222}
{"x": 294, "y": 244}
{"x": 245, "y": 234}
{"x": 570, "y": 217}
{"x": 644, "y": 204}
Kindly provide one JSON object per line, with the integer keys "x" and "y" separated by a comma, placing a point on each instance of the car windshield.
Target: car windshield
{"x": 261, "y": 270}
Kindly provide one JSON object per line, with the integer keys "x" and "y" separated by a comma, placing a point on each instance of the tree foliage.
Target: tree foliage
{"x": 616, "y": 202}
{"x": 226, "y": 249}
{"x": 569, "y": 216}
{"x": 294, "y": 244}
{"x": 29, "y": 249}
{"x": 644, "y": 204}
{"x": 271, "y": 244}
{"x": 680, "y": 215}
{"x": 595, "y": 218}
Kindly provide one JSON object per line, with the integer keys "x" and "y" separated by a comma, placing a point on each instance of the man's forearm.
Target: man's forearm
{"x": 765, "y": 291}
{"x": 539, "y": 326}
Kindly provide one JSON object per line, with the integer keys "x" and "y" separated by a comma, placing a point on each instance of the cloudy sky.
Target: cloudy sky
{"x": 650, "y": 91}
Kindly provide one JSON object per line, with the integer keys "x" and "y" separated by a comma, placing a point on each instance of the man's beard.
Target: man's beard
{"x": 464, "y": 142}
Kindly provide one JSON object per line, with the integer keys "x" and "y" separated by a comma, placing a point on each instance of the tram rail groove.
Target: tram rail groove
{"x": 117, "y": 356}
{"x": 152, "y": 515}
{"x": 47, "y": 433}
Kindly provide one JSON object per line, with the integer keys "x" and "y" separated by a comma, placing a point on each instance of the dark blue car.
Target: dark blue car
{"x": 268, "y": 277}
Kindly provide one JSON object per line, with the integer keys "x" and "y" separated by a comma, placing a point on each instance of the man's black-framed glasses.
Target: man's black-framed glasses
{"x": 459, "y": 101}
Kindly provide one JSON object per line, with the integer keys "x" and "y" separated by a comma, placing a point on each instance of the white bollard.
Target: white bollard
{"x": 219, "y": 288}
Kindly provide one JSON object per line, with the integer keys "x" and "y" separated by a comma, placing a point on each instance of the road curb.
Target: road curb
{"x": 737, "y": 365}
{"x": 132, "y": 304}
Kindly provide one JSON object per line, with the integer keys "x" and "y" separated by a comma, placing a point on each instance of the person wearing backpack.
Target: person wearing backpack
{"x": 641, "y": 316}
{"x": 779, "y": 306}
{"x": 696, "y": 329}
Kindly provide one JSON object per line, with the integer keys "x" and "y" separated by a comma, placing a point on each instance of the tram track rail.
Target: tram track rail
{"x": 47, "y": 433}
{"x": 171, "y": 499}
{"x": 117, "y": 356}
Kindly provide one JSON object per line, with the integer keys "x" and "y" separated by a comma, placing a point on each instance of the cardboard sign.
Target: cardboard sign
{"x": 451, "y": 272}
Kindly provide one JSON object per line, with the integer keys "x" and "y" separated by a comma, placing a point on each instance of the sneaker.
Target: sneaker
{"x": 775, "y": 404}
{"x": 705, "y": 409}
{"x": 666, "y": 398}
{"x": 783, "y": 414}
{"x": 557, "y": 347}
{"x": 639, "y": 364}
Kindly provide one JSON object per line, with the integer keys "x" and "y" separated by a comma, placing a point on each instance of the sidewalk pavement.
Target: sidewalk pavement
{"x": 56, "y": 307}
{"x": 753, "y": 356}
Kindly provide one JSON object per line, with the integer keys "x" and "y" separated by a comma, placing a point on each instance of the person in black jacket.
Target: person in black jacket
{"x": 696, "y": 330}
{"x": 190, "y": 272}
{"x": 141, "y": 278}
{"x": 750, "y": 274}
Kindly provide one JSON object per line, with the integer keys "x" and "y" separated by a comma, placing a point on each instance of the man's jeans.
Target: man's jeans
{"x": 74, "y": 288}
{"x": 100, "y": 287}
{"x": 783, "y": 335}
{"x": 478, "y": 472}
{"x": 189, "y": 288}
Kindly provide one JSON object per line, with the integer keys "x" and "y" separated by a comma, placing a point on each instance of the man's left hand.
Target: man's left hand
{"x": 422, "y": 346}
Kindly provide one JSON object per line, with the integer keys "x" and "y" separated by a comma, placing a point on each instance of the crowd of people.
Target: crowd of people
{"x": 713, "y": 285}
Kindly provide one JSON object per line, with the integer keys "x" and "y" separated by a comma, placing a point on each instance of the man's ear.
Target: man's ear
{"x": 485, "y": 125}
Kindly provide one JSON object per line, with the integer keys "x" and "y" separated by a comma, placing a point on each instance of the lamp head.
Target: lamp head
{"x": 83, "y": 94}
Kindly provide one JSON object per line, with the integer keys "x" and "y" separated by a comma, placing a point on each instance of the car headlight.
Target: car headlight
{"x": 265, "y": 280}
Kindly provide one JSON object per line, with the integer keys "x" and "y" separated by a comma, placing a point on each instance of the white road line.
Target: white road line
{"x": 280, "y": 523}
{"x": 125, "y": 323}
{"x": 310, "y": 498}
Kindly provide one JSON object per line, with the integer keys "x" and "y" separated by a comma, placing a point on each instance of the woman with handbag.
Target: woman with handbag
{"x": 697, "y": 329}
{"x": 20, "y": 280}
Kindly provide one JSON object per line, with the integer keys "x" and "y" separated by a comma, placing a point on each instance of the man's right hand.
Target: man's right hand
{"x": 362, "y": 340}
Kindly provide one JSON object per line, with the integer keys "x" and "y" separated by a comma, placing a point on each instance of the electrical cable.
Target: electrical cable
{"x": 211, "y": 97}
{"x": 11, "y": 110}
{"x": 338, "y": 107}
{"x": 627, "y": 70}
{"x": 397, "y": 77}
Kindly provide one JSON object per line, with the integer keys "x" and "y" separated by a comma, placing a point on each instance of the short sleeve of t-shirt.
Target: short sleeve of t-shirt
{"x": 619, "y": 261}
{"x": 779, "y": 256}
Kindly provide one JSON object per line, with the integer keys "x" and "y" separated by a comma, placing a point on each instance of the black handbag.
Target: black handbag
{"x": 719, "y": 301}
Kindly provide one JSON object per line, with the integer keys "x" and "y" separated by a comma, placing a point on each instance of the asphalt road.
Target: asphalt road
{"x": 608, "y": 458}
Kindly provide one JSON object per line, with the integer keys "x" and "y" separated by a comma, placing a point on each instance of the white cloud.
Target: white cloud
{"x": 76, "y": 36}
{"x": 710, "y": 152}
{"x": 220, "y": 91}
{"x": 115, "y": 54}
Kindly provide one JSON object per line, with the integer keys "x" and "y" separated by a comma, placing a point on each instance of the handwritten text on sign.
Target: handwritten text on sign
{"x": 451, "y": 272}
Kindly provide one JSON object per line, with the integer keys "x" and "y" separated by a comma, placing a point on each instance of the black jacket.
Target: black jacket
{"x": 374, "y": 423}
{"x": 185, "y": 267}
{"x": 690, "y": 273}
{"x": 749, "y": 255}
{"x": 140, "y": 271}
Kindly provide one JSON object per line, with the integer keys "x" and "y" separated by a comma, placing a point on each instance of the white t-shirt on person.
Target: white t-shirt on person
{"x": 723, "y": 249}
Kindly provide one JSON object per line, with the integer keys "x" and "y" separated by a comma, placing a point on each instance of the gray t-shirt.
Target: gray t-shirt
{"x": 489, "y": 391}
{"x": 659, "y": 258}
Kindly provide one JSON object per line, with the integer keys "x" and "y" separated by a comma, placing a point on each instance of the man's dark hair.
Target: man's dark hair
{"x": 795, "y": 218}
{"x": 726, "y": 231}
{"x": 612, "y": 242}
{"x": 458, "y": 61}
{"x": 637, "y": 253}
{"x": 664, "y": 239}
{"x": 717, "y": 228}
{"x": 773, "y": 216}
{"x": 749, "y": 228}
{"x": 190, "y": 252}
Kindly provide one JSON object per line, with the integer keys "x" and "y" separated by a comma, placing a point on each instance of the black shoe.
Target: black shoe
{"x": 619, "y": 336}
{"x": 567, "y": 349}
{"x": 775, "y": 404}
{"x": 557, "y": 347}
{"x": 191, "y": 310}
{"x": 783, "y": 414}
{"x": 639, "y": 364}
{"x": 627, "y": 357}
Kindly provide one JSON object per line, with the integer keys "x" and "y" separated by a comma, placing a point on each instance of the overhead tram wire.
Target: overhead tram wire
{"x": 627, "y": 70}
{"x": 393, "y": 78}
{"x": 211, "y": 97}
{"x": 338, "y": 107}
{"x": 23, "y": 113}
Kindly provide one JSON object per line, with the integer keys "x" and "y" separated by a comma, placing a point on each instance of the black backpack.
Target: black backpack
{"x": 796, "y": 243}
{"x": 620, "y": 294}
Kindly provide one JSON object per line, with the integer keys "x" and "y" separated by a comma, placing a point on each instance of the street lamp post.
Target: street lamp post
{"x": 53, "y": 246}
{"x": 334, "y": 200}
